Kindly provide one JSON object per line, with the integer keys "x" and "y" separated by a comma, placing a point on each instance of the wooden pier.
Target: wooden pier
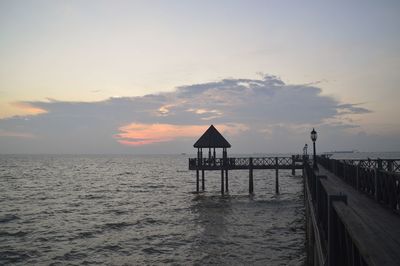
{"x": 352, "y": 213}
{"x": 244, "y": 163}
{"x": 352, "y": 206}
{"x": 213, "y": 140}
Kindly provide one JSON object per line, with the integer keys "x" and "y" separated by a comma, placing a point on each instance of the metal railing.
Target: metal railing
{"x": 336, "y": 244}
{"x": 369, "y": 177}
{"x": 244, "y": 162}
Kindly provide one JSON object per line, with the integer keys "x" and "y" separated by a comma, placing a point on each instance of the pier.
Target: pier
{"x": 352, "y": 212}
{"x": 352, "y": 206}
{"x": 212, "y": 140}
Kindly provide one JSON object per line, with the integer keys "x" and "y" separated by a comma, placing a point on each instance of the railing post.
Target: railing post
{"x": 318, "y": 193}
{"x": 332, "y": 228}
{"x": 251, "y": 185}
{"x": 358, "y": 177}
{"x": 344, "y": 171}
{"x": 379, "y": 164}
{"x": 390, "y": 165}
{"x": 334, "y": 166}
{"x": 276, "y": 176}
{"x": 376, "y": 186}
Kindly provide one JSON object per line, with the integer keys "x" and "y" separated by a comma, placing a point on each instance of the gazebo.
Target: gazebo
{"x": 212, "y": 140}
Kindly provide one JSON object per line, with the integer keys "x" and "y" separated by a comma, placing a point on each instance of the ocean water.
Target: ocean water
{"x": 141, "y": 210}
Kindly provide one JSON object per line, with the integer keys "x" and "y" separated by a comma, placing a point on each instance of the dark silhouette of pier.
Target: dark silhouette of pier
{"x": 352, "y": 206}
{"x": 353, "y": 212}
{"x": 213, "y": 140}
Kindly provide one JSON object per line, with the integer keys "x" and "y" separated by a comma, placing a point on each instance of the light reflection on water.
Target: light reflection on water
{"x": 141, "y": 210}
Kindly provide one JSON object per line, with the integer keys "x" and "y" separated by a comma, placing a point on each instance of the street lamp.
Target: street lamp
{"x": 314, "y": 138}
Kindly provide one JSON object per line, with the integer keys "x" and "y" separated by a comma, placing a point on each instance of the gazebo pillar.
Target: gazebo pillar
{"x": 214, "y": 157}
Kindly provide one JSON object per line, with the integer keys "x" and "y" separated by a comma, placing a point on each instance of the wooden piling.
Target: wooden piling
{"x": 226, "y": 181}
{"x": 251, "y": 185}
{"x": 293, "y": 165}
{"x": 202, "y": 180}
{"x": 222, "y": 181}
{"x": 276, "y": 176}
{"x": 197, "y": 180}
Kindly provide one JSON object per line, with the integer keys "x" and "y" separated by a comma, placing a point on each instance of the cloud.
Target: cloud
{"x": 250, "y": 111}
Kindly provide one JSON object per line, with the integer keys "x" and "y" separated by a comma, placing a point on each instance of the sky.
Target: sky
{"x": 151, "y": 76}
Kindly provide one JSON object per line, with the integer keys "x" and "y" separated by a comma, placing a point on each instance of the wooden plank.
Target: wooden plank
{"x": 373, "y": 252}
{"x": 382, "y": 225}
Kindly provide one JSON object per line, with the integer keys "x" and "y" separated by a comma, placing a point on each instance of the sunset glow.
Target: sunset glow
{"x": 142, "y": 134}
{"x": 28, "y": 108}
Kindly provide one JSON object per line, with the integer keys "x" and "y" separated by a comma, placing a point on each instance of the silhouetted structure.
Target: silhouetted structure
{"x": 213, "y": 140}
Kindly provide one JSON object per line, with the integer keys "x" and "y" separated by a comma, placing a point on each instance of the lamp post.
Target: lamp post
{"x": 305, "y": 152}
{"x": 314, "y": 138}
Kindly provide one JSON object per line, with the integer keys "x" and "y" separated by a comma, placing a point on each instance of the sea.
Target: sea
{"x": 143, "y": 210}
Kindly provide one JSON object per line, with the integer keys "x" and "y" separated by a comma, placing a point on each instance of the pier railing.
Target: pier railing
{"x": 330, "y": 228}
{"x": 295, "y": 161}
{"x": 379, "y": 179}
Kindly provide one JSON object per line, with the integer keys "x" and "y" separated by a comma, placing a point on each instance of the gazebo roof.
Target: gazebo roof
{"x": 212, "y": 139}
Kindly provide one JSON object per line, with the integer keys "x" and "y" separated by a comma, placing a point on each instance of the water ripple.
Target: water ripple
{"x": 141, "y": 210}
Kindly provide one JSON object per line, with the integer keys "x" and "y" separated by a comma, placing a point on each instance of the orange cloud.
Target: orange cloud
{"x": 29, "y": 108}
{"x": 136, "y": 134}
{"x": 4, "y": 133}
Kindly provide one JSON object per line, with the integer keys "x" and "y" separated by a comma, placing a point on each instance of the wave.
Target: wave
{"x": 17, "y": 234}
{"x": 116, "y": 226}
{"x": 8, "y": 218}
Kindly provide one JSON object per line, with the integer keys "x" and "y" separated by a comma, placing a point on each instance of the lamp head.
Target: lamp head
{"x": 313, "y": 135}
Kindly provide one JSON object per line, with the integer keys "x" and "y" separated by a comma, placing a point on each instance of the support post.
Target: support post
{"x": 202, "y": 180}
{"x": 293, "y": 166}
{"x": 276, "y": 176}
{"x": 197, "y": 180}
{"x": 226, "y": 181}
{"x": 214, "y": 159}
{"x": 251, "y": 185}
{"x": 222, "y": 181}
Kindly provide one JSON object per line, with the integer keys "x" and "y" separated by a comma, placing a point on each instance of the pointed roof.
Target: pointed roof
{"x": 212, "y": 139}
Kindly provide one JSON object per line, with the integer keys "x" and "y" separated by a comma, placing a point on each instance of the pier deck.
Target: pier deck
{"x": 380, "y": 227}
{"x": 243, "y": 163}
